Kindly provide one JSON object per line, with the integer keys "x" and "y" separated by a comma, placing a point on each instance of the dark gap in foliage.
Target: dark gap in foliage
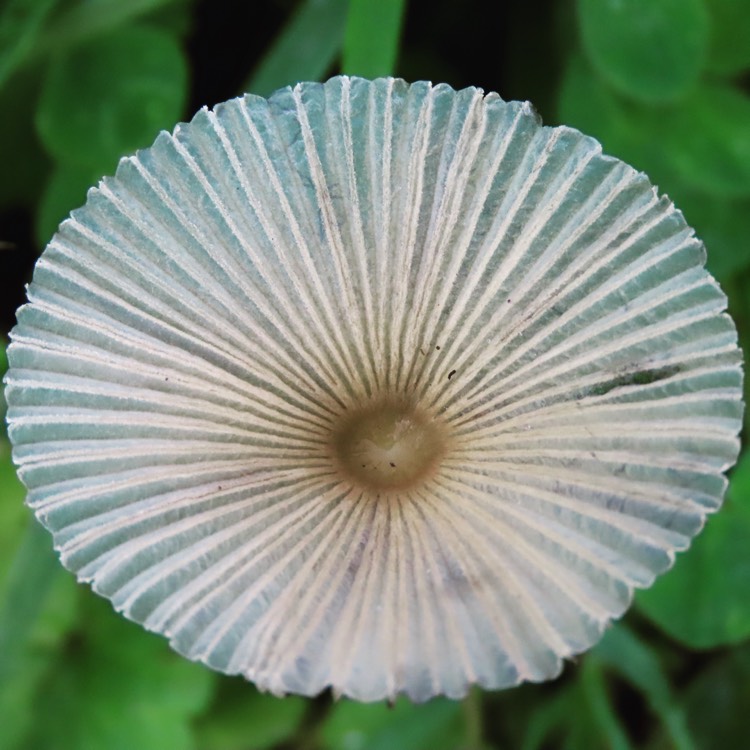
{"x": 533, "y": 43}
{"x": 488, "y": 45}
{"x": 227, "y": 41}
{"x": 633, "y": 711}
{"x": 470, "y": 37}
{"x": 318, "y": 709}
{"x": 17, "y": 258}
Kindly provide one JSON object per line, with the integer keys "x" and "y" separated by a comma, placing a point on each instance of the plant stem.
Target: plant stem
{"x": 472, "y": 710}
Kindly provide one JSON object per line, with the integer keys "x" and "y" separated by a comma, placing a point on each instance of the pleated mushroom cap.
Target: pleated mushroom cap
{"x": 376, "y": 386}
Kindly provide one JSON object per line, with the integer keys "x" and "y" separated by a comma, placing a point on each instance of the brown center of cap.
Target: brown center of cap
{"x": 388, "y": 447}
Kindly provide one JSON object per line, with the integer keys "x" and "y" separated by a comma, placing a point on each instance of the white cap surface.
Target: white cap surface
{"x": 377, "y": 386}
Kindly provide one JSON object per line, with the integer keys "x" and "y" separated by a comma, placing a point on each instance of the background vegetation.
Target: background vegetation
{"x": 662, "y": 83}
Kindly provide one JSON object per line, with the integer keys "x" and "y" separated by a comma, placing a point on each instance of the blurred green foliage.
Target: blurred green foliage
{"x": 662, "y": 84}
{"x": 371, "y": 38}
{"x": 650, "y": 50}
{"x": 155, "y": 694}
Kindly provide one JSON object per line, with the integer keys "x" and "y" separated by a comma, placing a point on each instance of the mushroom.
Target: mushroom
{"x": 376, "y": 386}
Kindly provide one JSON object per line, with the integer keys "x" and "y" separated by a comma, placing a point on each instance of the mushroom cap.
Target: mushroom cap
{"x": 377, "y": 386}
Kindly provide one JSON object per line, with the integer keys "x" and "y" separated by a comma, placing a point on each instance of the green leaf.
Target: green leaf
{"x": 703, "y": 602}
{"x": 549, "y": 719}
{"x": 373, "y": 29}
{"x": 244, "y": 718}
{"x": 438, "y": 725}
{"x": 604, "y": 718}
{"x": 119, "y": 687}
{"x": 730, "y": 36}
{"x": 716, "y": 703}
{"x": 639, "y": 665}
{"x": 306, "y": 48}
{"x": 111, "y": 96}
{"x": 645, "y": 138}
{"x": 724, "y": 227}
{"x": 21, "y": 153}
{"x": 37, "y": 607}
{"x": 81, "y": 22}
{"x": 706, "y": 140}
{"x": 13, "y": 514}
{"x": 587, "y": 103}
{"x": 652, "y": 50}
{"x": 20, "y": 24}
{"x": 630, "y": 131}
{"x": 701, "y": 143}
{"x": 33, "y": 657}
{"x": 25, "y": 586}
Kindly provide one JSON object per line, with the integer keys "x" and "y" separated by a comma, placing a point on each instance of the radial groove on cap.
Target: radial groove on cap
{"x": 200, "y": 330}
